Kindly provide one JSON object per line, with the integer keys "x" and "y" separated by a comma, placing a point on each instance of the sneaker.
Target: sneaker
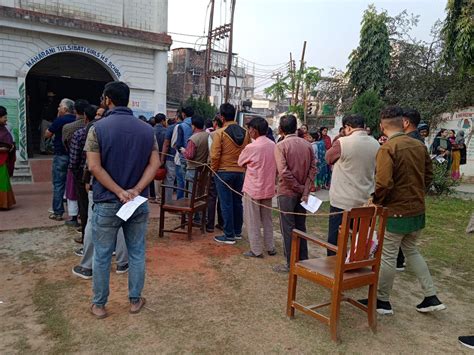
{"x": 114, "y": 253}
{"x": 79, "y": 239}
{"x": 272, "y": 252}
{"x": 383, "y": 307}
{"x": 122, "y": 269}
{"x": 79, "y": 252}
{"x": 282, "y": 268}
{"x": 467, "y": 341}
{"x": 430, "y": 304}
{"x": 238, "y": 237}
{"x": 251, "y": 254}
{"x": 82, "y": 272}
{"x": 400, "y": 266}
{"x": 224, "y": 239}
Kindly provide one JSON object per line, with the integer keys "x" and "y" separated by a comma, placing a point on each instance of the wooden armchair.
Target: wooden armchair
{"x": 345, "y": 270}
{"x": 195, "y": 201}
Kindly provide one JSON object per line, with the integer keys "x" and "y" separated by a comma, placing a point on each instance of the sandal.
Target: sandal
{"x": 55, "y": 217}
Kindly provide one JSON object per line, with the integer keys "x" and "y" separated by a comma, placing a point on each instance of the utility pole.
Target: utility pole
{"x": 229, "y": 55}
{"x": 301, "y": 72}
{"x": 292, "y": 77}
{"x": 207, "y": 64}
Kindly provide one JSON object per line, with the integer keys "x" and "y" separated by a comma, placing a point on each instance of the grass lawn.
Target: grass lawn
{"x": 207, "y": 298}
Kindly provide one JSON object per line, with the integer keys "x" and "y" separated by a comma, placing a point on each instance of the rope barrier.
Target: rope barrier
{"x": 216, "y": 174}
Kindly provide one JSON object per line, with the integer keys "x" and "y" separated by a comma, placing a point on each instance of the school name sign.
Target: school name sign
{"x": 73, "y": 48}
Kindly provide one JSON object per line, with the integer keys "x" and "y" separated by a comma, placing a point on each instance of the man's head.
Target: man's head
{"x": 217, "y": 122}
{"x": 79, "y": 107}
{"x": 315, "y": 135}
{"x": 187, "y": 111}
{"x": 424, "y": 130}
{"x": 197, "y": 122}
{"x": 288, "y": 124}
{"x": 99, "y": 113}
{"x": 258, "y": 126}
{"x": 116, "y": 93}
{"x": 66, "y": 107}
{"x": 411, "y": 120}
{"x": 227, "y": 112}
{"x": 90, "y": 112}
{"x": 160, "y": 118}
{"x": 391, "y": 120}
{"x": 352, "y": 123}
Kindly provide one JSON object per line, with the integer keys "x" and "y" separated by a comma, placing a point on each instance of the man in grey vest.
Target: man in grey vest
{"x": 353, "y": 176}
{"x": 122, "y": 155}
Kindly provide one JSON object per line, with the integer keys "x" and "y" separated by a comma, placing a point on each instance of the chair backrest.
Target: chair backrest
{"x": 365, "y": 228}
{"x": 200, "y": 190}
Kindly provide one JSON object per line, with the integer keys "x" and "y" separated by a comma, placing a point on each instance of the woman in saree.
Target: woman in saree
{"x": 322, "y": 168}
{"x": 457, "y": 145}
{"x": 7, "y": 162}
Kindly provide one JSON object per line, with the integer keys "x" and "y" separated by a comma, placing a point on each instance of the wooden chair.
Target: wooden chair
{"x": 195, "y": 200}
{"x": 343, "y": 271}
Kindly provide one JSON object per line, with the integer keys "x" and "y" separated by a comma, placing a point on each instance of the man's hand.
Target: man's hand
{"x": 182, "y": 150}
{"x": 370, "y": 203}
{"x": 124, "y": 196}
{"x": 304, "y": 199}
{"x": 133, "y": 192}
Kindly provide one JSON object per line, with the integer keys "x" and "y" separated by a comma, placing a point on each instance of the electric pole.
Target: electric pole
{"x": 207, "y": 64}
{"x": 229, "y": 54}
{"x": 301, "y": 73}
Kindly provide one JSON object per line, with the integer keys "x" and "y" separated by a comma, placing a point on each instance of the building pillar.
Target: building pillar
{"x": 160, "y": 72}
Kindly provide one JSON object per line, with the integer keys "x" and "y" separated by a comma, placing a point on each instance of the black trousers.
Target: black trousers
{"x": 288, "y": 222}
{"x": 212, "y": 201}
{"x": 333, "y": 230}
{"x": 152, "y": 192}
{"x": 82, "y": 202}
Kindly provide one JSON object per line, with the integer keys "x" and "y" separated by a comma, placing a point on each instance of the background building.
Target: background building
{"x": 186, "y": 77}
{"x": 56, "y": 49}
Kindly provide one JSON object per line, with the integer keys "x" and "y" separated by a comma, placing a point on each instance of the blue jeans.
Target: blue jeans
{"x": 59, "y": 173}
{"x": 231, "y": 203}
{"x": 180, "y": 181}
{"x": 105, "y": 225}
{"x": 169, "y": 179}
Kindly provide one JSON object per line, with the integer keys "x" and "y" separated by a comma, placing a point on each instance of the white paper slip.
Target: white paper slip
{"x": 313, "y": 204}
{"x": 126, "y": 211}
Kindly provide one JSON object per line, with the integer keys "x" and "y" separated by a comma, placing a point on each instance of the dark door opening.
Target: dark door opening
{"x": 69, "y": 76}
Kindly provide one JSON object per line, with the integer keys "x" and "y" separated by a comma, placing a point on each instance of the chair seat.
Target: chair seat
{"x": 183, "y": 204}
{"x": 326, "y": 267}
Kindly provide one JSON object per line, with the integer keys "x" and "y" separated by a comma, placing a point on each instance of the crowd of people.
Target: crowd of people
{"x": 104, "y": 157}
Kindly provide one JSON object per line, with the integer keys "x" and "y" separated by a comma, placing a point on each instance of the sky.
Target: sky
{"x": 266, "y": 31}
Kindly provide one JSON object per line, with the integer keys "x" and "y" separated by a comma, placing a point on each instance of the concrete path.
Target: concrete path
{"x": 32, "y": 204}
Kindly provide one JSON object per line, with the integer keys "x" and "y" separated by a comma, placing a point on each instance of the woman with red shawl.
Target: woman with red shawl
{"x": 7, "y": 162}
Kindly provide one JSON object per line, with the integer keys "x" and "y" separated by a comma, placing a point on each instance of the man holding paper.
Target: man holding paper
{"x": 122, "y": 155}
{"x": 296, "y": 168}
{"x": 353, "y": 175}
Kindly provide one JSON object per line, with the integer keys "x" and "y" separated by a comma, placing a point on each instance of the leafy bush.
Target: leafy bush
{"x": 442, "y": 184}
{"x": 201, "y": 107}
{"x": 369, "y": 105}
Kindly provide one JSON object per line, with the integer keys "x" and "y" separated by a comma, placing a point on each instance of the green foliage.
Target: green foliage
{"x": 458, "y": 36}
{"x": 297, "y": 110}
{"x": 278, "y": 90}
{"x": 201, "y": 107}
{"x": 369, "y": 105}
{"x": 369, "y": 64}
{"x": 443, "y": 184}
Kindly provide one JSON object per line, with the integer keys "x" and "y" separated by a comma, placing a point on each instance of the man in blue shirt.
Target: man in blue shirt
{"x": 61, "y": 158}
{"x": 167, "y": 159}
{"x": 122, "y": 155}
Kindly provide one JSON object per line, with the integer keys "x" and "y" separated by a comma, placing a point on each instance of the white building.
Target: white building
{"x": 71, "y": 49}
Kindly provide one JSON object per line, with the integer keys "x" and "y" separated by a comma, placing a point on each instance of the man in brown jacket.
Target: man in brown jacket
{"x": 227, "y": 144}
{"x": 403, "y": 174}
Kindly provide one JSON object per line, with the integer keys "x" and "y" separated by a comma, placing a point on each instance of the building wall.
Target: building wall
{"x": 144, "y": 15}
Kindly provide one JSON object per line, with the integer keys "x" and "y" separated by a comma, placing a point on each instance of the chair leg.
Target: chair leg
{"x": 292, "y": 281}
{"x": 162, "y": 222}
{"x": 371, "y": 313}
{"x": 335, "y": 310}
{"x": 190, "y": 225}
{"x": 182, "y": 220}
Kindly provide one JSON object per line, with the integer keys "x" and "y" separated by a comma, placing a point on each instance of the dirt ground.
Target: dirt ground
{"x": 202, "y": 298}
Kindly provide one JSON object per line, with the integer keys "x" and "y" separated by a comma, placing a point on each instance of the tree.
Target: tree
{"x": 201, "y": 107}
{"x": 369, "y": 64}
{"x": 458, "y": 36}
{"x": 278, "y": 90}
{"x": 369, "y": 105}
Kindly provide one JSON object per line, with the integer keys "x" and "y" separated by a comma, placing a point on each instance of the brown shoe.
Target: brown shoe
{"x": 79, "y": 239}
{"x": 137, "y": 307}
{"x": 98, "y": 312}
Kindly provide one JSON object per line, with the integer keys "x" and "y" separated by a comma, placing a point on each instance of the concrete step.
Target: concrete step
{"x": 22, "y": 173}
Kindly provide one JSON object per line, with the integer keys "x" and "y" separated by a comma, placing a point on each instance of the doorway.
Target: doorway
{"x": 72, "y": 76}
